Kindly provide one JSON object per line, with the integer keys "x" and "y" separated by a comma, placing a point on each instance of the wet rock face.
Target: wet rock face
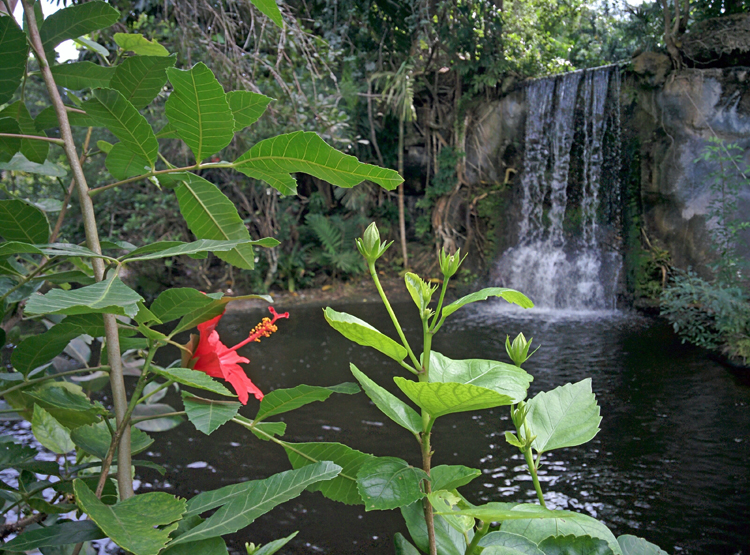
{"x": 675, "y": 124}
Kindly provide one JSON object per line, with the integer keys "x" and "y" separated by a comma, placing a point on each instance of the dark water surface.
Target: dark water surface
{"x": 671, "y": 464}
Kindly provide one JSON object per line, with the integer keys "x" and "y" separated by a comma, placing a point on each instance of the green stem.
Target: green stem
{"x": 25, "y": 280}
{"x": 51, "y": 377}
{"x": 439, "y": 305}
{"x": 34, "y": 138}
{"x": 478, "y": 535}
{"x": 156, "y": 416}
{"x": 155, "y": 173}
{"x": 532, "y": 468}
{"x": 155, "y": 391}
{"x": 387, "y": 304}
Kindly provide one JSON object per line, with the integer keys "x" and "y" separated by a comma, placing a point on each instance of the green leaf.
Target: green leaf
{"x": 207, "y": 415}
{"x": 110, "y": 296}
{"x": 19, "y": 163}
{"x": 61, "y": 395}
{"x": 175, "y": 303}
{"x": 364, "y": 334}
{"x": 452, "y": 476}
{"x": 402, "y": 545}
{"x": 272, "y": 547}
{"x": 390, "y": 405}
{"x": 574, "y": 545}
{"x": 13, "y": 455}
{"x": 449, "y": 540}
{"x": 50, "y": 433}
{"x": 389, "y": 482}
{"x": 76, "y": 20}
{"x": 632, "y": 545}
{"x": 509, "y": 295}
{"x": 82, "y": 75}
{"x": 31, "y": 150}
{"x": 95, "y": 439}
{"x": 246, "y": 107}
{"x": 13, "y": 61}
{"x": 443, "y": 501}
{"x": 47, "y": 119}
{"x": 270, "y": 9}
{"x": 141, "y": 78}
{"x": 201, "y": 245}
{"x": 123, "y": 163}
{"x": 64, "y": 533}
{"x": 273, "y": 160}
{"x": 280, "y": 401}
{"x": 211, "y": 310}
{"x": 209, "y": 214}
{"x": 131, "y": 523}
{"x": 199, "y": 111}
{"x": 440, "y": 399}
{"x": 503, "y": 378}
{"x": 152, "y": 410}
{"x": 502, "y": 550}
{"x": 193, "y": 378}
{"x": 266, "y": 430}
{"x": 9, "y": 145}
{"x": 113, "y": 111}
{"x": 577, "y": 524}
{"x": 20, "y": 221}
{"x": 135, "y": 42}
{"x": 564, "y": 417}
{"x": 496, "y": 512}
{"x": 343, "y": 488}
{"x": 510, "y": 541}
{"x": 210, "y": 546}
{"x": 240, "y": 506}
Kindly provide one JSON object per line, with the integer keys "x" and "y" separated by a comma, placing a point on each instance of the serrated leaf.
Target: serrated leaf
{"x": 273, "y": 160}
{"x": 503, "y": 378}
{"x": 37, "y": 350}
{"x": 198, "y": 110}
{"x": 449, "y": 540}
{"x": 245, "y": 504}
{"x": 388, "y": 483}
{"x": 266, "y": 430}
{"x": 343, "y": 488}
{"x": 576, "y": 524}
{"x": 123, "y": 163}
{"x": 50, "y": 433}
{"x": 443, "y": 501}
{"x": 194, "y": 378}
{"x": 76, "y": 20}
{"x": 574, "y": 545}
{"x": 201, "y": 245}
{"x": 64, "y": 533}
{"x": 510, "y": 295}
{"x": 61, "y": 395}
{"x": 110, "y": 296}
{"x": 15, "y": 51}
{"x": 33, "y": 151}
{"x": 632, "y": 545}
{"x": 270, "y": 9}
{"x": 280, "y": 401}
{"x": 207, "y": 415}
{"x": 510, "y": 541}
{"x": 497, "y": 512}
{"x": 113, "y": 111}
{"x": 450, "y": 477}
{"x": 211, "y": 310}
{"x": 19, "y": 163}
{"x": 209, "y": 214}
{"x": 47, "y": 119}
{"x": 82, "y": 75}
{"x": 12, "y": 454}
{"x": 175, "y": 303}
{"x": 246, "y": 107}
{"x": 364, "y": 334}
{"x": 390, "y": 405}
{"x": 20, "y": 221}
{"x": 440, "y": 399}
{"x": 564, "y": 417}
{"x": 131, "y": 523}
{"x": 95, "y": 439}
{"x": 502, "y": 550}
{"x": 141, "y": 78}
{"x": 135, "y": 42}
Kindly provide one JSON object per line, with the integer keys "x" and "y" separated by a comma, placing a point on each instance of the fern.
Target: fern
{"x": 335, "y": 250}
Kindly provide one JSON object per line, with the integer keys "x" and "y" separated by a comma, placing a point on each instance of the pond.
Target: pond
{"x": 671, "y": 463}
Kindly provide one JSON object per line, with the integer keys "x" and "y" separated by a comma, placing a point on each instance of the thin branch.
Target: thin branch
{"x": 34, "y": 138}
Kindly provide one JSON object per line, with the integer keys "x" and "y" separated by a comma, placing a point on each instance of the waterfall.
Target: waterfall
{"x": 566, "y": 256}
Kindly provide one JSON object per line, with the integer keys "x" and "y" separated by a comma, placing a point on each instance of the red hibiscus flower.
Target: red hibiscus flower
{"x": 219, "y": 361}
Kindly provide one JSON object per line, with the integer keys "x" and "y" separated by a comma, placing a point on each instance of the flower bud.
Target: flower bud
{"x": 518, "y": 351}
{"x": 369, "y": 244}
{"x": 449, "y": 263}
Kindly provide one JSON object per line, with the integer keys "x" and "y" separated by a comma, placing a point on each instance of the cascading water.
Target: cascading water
{"x": 565, "y": 257}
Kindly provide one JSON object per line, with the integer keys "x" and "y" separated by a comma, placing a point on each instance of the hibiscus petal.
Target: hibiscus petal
{"x": 236, "y": 376}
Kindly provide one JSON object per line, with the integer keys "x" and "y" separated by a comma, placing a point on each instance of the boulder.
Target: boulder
{"x": 652, "y": 67}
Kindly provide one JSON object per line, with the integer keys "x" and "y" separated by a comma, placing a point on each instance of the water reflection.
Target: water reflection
{"x": 672, "y": 462}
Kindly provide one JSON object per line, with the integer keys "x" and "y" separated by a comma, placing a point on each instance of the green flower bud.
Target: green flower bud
{"x": 369, "y": 244}
{"x": 449, "y": 263}
{"x": 518, "y": 351}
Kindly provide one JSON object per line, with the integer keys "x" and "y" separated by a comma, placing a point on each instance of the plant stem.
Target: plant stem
{"x": 532, "y": 468}
{"x": 34, "y": 138}
{"x": 439, "y": 305}
{"x": 69, "y": 192}
{"x": 117, "y": 382}
{"x": 156, "y": 416}
{"x": 155, "y": 173}
{"x": 478, "y": 535}
{"x": 28, "y": 383}
{"x": 24, "y": 281}
{"x": 387, "y": 304}
{"x": 429, "y": 517}
{"x": 157, "y": 390}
